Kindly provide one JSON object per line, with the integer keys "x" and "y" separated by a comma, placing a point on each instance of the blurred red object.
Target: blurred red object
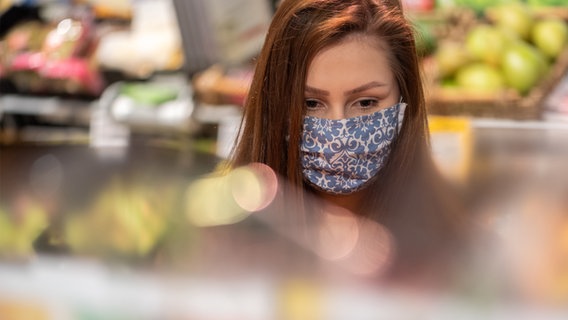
{"x": 419, "y": 5}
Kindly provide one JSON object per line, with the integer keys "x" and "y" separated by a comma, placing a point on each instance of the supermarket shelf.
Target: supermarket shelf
{"x": 60, "y": 110}
{"x": 553, "y": 124}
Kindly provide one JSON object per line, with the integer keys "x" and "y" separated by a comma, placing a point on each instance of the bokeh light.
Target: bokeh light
{"x": 337, "y": 234}
{"x": 209, "y": 202}
{"x": 373, "y": 252}
{"x": 254, "y": 186}
{"x": 229, "y": 197}
{"x": 358, "y": 245}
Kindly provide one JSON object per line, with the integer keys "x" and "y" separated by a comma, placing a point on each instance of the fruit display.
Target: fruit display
{"x": 507, "y": 56}
{"x": 78, "y": 49}
{"x": 52, "y": 57}
{"x": 125, "y": 220}
{"x": 20, "y": 227}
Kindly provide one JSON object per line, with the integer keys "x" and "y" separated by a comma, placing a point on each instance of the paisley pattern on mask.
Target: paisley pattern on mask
{"x": 340, "y": 156}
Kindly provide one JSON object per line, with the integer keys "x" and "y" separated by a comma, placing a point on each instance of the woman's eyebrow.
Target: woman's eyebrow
{"x": 364, "y": 87}
{"x": 316, "y": 91}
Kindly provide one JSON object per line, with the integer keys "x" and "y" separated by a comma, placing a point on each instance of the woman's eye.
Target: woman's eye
{"x": 312, "y": 104}
{"x": 367, "y": 103}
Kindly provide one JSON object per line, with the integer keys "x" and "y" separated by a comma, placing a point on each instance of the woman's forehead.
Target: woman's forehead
{"x": 355, "y": 58}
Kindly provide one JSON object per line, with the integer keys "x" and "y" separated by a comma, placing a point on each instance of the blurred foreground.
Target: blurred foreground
{"x": 150, "y": 233}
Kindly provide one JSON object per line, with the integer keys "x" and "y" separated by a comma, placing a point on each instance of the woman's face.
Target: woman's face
{"x": 349, "y": 79}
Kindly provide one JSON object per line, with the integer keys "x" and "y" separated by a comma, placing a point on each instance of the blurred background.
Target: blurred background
{"x": 116, "y": 118}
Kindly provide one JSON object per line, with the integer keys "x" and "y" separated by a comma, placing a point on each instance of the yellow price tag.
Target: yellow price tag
{"x": 452, "y": 145}
{"x": 301, "y": 300}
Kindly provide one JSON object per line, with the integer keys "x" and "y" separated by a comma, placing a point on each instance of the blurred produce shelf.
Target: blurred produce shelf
{"x": 253, "y": 271}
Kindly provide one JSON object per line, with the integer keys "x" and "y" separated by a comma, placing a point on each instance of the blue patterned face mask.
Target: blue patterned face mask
{"x": 340, "y": 156}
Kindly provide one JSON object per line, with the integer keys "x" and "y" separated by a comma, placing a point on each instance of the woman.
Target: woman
{"x": 337, "y": 107}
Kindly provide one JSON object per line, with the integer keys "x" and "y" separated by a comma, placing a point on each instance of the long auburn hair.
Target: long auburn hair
{"x": 274, "y": 110}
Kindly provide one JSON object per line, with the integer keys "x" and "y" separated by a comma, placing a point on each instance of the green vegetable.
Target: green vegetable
{"x": 149, "y": 93}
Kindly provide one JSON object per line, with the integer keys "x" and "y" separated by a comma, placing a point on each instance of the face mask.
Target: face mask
{"x": 340, "y": 156}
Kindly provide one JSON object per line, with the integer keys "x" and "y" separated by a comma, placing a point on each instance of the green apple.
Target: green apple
{"x": 486, "y": 43}
{"x": 523, "y": 66}
{"x": 480, "y": 77}
{"x": 512, "y": 16}
{"x": 550, "y": 36}
{"x": 449, "y": 57}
